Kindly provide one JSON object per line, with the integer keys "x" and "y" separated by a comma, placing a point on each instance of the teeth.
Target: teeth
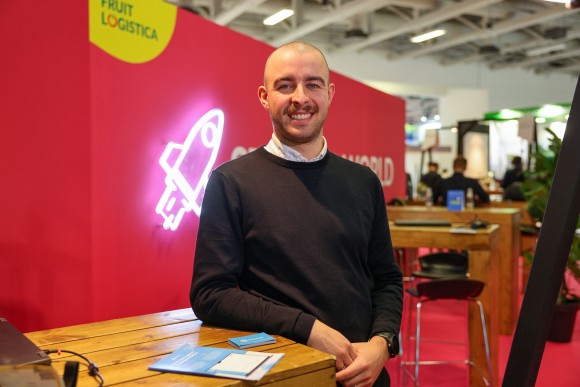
{"x": 300, "y": 116}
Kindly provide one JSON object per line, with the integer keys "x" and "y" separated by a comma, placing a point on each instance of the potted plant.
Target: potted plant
{"x": 536, "y": 188}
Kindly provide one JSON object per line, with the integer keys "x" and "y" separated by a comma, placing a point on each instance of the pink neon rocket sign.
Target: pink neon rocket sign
{"x": 188, "y": 166}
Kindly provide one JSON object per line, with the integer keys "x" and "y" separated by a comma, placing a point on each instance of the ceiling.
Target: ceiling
{"x": 499, "y": 33}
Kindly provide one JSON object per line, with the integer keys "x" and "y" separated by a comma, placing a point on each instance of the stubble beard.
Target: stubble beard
{"x": 296, "y": 135}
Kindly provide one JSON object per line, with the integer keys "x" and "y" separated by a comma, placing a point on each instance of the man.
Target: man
{"x": 432, "y": 178}
{"x": 514, "y": 192}
{"x": 516, "y": 173}
{"x": 459, "y": 182}
{"x": 294, "y": 240}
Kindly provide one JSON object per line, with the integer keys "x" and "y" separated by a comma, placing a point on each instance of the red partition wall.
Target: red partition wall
{"x": 45, "y": 189}
{"x": 83, "y": 130}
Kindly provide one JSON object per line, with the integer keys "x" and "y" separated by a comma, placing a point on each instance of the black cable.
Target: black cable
{"x": 470, "y": 222}
{"x": 93, "y": 369}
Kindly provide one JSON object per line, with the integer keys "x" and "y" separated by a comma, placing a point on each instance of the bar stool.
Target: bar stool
{"x": 461, "y": 289}
{"x": 438, "y": 265}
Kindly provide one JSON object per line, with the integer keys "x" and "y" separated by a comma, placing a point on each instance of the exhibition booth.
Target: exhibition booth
{"x": 108, "y": 143}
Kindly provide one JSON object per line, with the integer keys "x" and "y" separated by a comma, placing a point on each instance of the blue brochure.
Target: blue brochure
{"x": 251, "y": 340}
{"x": 219, "y": 362}
{"x": 455, "y": 200}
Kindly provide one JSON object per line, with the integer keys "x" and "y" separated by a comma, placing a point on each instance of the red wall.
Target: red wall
{"x": 81, "y": 135}
{"x": 45, "y": 197}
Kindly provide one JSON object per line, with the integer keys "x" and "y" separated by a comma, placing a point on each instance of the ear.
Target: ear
{"x": 263, "y": 96}
{"x": 331, "y": 90}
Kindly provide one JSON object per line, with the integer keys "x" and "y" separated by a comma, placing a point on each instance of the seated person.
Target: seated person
{"x": 458, "y": 182}
{"x": 514, "y": 174}
{"x": 432, "y": 178}
{"x": 514, "y": 192}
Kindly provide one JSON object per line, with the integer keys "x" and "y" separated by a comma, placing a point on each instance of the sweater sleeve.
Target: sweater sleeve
{"x": 219, "y": 262}
{"x": 387, "y": 294}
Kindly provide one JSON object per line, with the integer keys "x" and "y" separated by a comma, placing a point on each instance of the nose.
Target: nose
{"x": 300, "y": 96}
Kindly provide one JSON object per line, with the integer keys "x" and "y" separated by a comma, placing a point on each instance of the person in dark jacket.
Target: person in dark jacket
{"x": 514, "y": 192}
{"x": 432, "y": 178}
{"x": 516, "y": 173}
{"x": 459, "y": 182}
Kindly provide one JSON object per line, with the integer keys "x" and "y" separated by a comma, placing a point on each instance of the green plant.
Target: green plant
{"x": 536, "y": 188}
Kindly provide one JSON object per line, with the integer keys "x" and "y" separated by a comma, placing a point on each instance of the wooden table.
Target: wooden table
{"x": 124, "y": 348}
{"x": 484, "y": 265}
{"x": 522, "y": 206}
{"x": 508, "y": 248}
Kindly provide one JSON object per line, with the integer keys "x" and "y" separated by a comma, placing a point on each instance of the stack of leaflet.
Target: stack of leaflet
{"x": 244, "y": 342}
{"x": 218, "y": 362}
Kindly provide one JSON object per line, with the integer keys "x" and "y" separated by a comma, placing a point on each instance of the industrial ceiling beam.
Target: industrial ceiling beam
{"x": 498, "y": 29}
{"x": 428, "y": 20}
{"x": 343, "y": 12}
{"x": 540, "y": 59}
{"x": 232, "y": 13}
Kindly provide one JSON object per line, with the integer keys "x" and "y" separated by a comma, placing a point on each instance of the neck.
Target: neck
{"x": 309, "y": 150}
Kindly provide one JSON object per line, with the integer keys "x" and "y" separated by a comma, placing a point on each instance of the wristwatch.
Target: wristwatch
{"x": 392, "y": 342}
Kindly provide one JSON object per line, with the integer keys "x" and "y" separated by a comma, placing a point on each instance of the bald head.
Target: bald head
{"x": 283, "y": 52}
{"x": 297, "y": 93}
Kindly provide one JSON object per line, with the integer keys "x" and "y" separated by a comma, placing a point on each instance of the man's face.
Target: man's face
{"x": 297, "y": 94}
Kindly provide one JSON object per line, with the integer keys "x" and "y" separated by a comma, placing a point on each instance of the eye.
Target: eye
{"x": 284, "y": 87}
{"x": 314, "y": 85}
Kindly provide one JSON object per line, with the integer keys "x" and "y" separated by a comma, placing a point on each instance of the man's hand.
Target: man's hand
{"x": 370, "y": 360}
{"x": 326, "y": 339}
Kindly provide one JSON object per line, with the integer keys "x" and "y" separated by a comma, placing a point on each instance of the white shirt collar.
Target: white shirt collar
{"x": 276, "y": 148}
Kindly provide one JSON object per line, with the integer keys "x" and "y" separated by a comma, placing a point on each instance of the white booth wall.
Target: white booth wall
{"x": 465, "y": 92}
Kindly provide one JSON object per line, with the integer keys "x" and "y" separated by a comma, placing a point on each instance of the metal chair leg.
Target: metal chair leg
{"x": 417, "y": 361}
{"x": 417, "y": 342}
{"x": 486, "y": 341}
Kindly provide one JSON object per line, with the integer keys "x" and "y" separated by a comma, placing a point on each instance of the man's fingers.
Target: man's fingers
{"x": 352, "y": 353}
{"x": 341, "y": 364}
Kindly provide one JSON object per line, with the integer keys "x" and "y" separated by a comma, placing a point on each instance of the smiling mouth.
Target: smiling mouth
{"x": 301, "y": 116}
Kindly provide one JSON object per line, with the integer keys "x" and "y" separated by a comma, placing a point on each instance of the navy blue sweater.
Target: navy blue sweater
{"x": 283, "y": 243}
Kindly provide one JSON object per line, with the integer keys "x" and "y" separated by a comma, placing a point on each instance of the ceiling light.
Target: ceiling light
{"x": 546, "y": 50}
{"x": 427, "y": 36}
{"x": 550, "y": 111}
{"x": 506, "y": 114}
{"x": 570, "y": 4}
{"x": 278, "y": 17}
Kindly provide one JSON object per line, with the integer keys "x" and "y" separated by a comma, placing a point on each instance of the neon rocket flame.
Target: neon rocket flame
{"x": 188, "y": 166}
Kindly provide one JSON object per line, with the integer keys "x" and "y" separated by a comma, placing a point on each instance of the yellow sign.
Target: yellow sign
{"x": 134, "y": 31}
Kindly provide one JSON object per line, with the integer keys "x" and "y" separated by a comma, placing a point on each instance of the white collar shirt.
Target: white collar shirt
{"x": 276, "y": 148}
